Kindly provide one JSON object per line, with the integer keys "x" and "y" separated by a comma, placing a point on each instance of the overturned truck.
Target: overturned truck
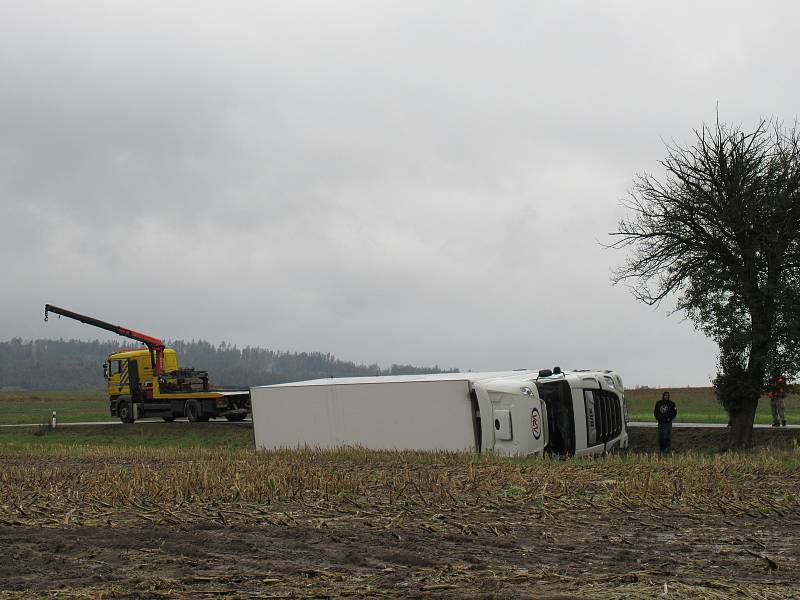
{"x": 512, "y": 413}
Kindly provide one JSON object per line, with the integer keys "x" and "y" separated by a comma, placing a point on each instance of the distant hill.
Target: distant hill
{"x": 76, "y": 364}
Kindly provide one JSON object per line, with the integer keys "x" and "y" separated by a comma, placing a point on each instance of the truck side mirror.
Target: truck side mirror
{"x": 105, "y": 370}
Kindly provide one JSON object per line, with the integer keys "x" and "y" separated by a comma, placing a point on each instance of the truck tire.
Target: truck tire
{"x": 193, "y": 411}
{"x": 235, "y": 418}
{"x": 125, "y": 412}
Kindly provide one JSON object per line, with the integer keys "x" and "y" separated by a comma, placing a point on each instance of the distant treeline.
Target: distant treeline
{"x": 75, "y": 364}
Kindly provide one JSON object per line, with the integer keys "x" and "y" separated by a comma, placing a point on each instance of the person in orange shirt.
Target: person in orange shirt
{"x": 776, "y": 396}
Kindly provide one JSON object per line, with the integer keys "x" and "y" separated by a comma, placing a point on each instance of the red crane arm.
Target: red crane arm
{"x": 142, "y": 337}
{"x": 153, "y": 343}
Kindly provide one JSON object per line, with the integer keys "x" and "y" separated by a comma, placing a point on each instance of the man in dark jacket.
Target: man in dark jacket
{"x": 664, "y": 412}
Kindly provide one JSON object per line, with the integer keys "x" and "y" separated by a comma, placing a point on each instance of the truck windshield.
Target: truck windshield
{"x": 557, "y": 398}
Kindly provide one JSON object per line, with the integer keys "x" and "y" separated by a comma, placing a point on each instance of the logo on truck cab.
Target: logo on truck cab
{"x": 535, "y": 429}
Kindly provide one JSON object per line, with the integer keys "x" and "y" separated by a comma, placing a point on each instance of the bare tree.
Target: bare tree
{"x": 721, "y": 232}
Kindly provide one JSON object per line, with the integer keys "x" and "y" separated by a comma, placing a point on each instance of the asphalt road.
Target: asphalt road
{"x": 703, "y": 425}
{"x": 247, "y": 422}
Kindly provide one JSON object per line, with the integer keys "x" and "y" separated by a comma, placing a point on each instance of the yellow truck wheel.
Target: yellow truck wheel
{"x": 125, "y": 412}
{"x": 192, "y": 410}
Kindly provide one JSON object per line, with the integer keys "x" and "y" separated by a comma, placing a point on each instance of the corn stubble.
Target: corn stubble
{"x": 437, "y": 493}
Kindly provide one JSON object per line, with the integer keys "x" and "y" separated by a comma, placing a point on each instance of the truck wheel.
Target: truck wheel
{"x": 125, "y": 412}
{"x": 168, "y": 419}
{"x": 235, "y": 418}
{"x": 192, "y": 411}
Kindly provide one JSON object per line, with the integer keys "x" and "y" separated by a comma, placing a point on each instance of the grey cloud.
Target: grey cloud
{"x": 381, "y": 180}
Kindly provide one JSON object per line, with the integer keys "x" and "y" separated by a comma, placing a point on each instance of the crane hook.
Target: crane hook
{"x": 45, "y": 315}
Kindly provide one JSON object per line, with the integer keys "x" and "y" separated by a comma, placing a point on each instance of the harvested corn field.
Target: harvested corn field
{"x": 149, "y": 523}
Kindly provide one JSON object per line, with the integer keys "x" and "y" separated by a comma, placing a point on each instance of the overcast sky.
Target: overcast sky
{"x": 404, "y": 182}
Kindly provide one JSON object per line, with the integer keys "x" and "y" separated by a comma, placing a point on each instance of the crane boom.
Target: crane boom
{"x": 153, "y": 344}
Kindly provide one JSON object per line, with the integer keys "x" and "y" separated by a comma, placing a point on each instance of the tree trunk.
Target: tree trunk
{"x": 740, "y": 432}
{"x": 743, "y": 411}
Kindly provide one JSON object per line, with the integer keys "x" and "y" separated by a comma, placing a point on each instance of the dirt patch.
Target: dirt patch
{"x": 321, "y": 552}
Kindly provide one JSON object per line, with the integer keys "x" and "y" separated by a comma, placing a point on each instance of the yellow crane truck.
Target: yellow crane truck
{"x": 148, "y": 382}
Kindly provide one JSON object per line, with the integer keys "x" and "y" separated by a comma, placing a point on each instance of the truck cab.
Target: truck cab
{"x": 586, "y": 411}
{"x": 118, "y": 381}
{"x": 553, "y": 412}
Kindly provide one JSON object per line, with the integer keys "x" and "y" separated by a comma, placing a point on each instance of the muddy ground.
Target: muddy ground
{"x": 309, "y": 552}
{"x": 581, "y": 540}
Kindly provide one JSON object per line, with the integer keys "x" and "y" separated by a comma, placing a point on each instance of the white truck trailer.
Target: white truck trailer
{"x": 513, "y": 413}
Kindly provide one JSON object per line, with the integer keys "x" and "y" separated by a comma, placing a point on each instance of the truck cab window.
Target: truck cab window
{"x": 557, "y": 397}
